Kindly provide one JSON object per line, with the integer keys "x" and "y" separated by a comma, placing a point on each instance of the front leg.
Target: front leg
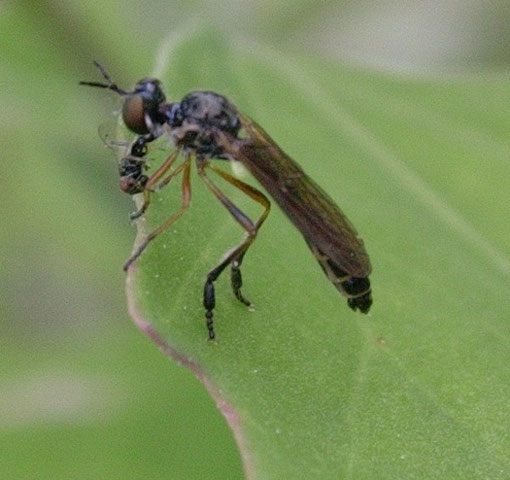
{"x": 153, "y": 179}
{"x": 185, "y": 200}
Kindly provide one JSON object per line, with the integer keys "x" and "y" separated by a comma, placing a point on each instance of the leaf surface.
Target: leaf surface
{"x": 420, "y": 387}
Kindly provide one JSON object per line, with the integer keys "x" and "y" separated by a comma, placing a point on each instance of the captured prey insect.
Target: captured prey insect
{"x": 205, "y": 126}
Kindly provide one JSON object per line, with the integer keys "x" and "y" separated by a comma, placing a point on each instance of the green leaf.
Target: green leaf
{"x": 82, "y": 394}
{"x": 420, "y": 387}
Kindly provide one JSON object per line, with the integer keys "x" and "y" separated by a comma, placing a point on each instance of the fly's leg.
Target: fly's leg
{"x": 186, "y": 196}
{"x": 234, "y": 254}
{"x": 236, "y": 280}
{"x": 153, "y": 179}
{"x": 235, "y": 271}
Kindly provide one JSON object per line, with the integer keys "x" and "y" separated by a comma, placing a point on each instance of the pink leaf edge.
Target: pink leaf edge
{"x": 227, "y": 410}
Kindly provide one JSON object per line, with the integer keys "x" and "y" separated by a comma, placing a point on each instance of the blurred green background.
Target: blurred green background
{"x": 82, "y": 393}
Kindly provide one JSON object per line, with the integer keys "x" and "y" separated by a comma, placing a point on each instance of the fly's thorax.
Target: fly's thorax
{"x": 194, "y": 123}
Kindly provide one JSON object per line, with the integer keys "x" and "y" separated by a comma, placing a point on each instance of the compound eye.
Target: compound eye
{"x": 133, "y": 114}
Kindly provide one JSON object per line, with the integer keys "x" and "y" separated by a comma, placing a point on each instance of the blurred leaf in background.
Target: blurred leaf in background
{"x": 84, "y": 395}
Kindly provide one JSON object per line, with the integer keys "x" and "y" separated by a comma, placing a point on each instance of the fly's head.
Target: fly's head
{"x": 143, "y": 108}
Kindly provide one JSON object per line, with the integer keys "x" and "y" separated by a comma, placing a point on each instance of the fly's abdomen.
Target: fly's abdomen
{"x": 356, "y": 289}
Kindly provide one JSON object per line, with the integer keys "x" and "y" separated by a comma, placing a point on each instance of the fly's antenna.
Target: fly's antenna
{"x": 110, "y": 84}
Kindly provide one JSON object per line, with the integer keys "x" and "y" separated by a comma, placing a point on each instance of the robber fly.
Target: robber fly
{"x": 205, "y": 126}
